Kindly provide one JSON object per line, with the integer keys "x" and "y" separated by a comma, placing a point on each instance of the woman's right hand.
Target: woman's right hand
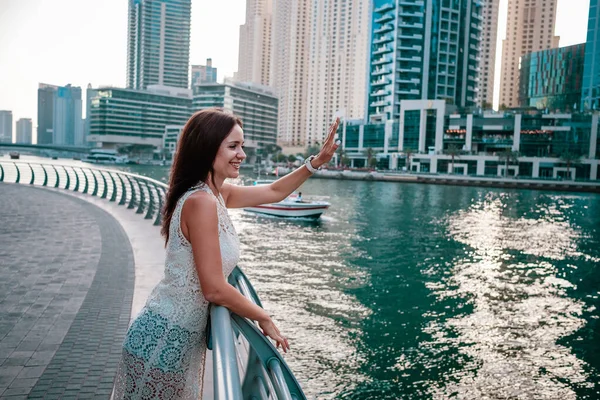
{"x": 269, "y": 329}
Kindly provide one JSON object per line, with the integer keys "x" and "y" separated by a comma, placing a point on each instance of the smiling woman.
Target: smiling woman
{"x": 164, "y": 349}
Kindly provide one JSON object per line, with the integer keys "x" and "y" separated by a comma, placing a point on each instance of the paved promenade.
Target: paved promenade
{"x": 66, "y": 289}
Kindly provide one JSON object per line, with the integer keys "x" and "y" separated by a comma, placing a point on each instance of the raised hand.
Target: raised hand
{"x": 269, "y": 329}
{"x": 329, "y": 147}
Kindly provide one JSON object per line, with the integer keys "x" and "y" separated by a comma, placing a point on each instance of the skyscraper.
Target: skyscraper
{"x": 158, "y": 47}
{"x": 24, "y": 130}
{"x": 254, "y": 61}
{"x": 487, "y": 65}
{"x": 45, "y": 118}
{"x": 529, "y": 28}
{"x": 590, "y": 94}
{"x": 423, "y": 51}
{"x": 204, "y": 73}
{"x": 338, "y": 64}
{"x": 6, "y": 124}
{"x": 59, "y": 115}
{"x": 291, "y": 40}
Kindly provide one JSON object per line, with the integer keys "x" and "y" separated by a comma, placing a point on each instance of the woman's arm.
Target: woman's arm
{"x": 200, "y": 225}
{"x": 247, "y": 196}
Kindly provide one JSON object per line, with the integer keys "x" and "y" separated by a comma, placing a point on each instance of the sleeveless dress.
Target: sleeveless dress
{"x": 165, "y": 346}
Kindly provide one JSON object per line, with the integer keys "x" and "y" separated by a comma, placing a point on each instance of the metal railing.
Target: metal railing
{"x": 246, "y": 365}
{"x": 143, "y": 194}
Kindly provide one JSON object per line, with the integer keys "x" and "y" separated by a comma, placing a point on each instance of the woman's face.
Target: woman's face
{"x": 230, "y": 154}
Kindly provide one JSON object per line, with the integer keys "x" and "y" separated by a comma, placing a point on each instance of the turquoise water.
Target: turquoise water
{"x": 425, "y": 291}
{"x": 432, "y": 292}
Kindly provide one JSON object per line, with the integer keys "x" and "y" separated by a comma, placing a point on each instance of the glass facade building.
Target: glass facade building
{"x": 254, "y": 104}
{"x": 60, "y": 115}
{"x": 6, "y": 125}
{"x": 120, "y": 117}
{"x": 552, "y": 79}
{"x": 158, "y": 46}
{"x": 590, "y": 93}
{"x": 423, "y": 49}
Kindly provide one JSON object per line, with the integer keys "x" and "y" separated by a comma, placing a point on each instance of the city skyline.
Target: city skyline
{"x": 60, "y": 57}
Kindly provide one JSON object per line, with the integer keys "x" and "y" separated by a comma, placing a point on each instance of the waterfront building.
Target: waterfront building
{"x": 203, "y": 73}
{"x": 423, "y": 51}
{"x": 338, "y": 61}
{"x": 59, "y": 115}
{"x": 256, "y": 105}
{"x": 529, "y": 28}
{"x": 254, "y": 59}
{"x": 24, "y": 131}
{"x": 552, "y": 79}
{"x": 548, "y": 145}
{"x": 170, "y": 140}
{"x": 6, "y": 125}
{"x": 136, "y": 119}
{"x": 590, "y": 96}
{"x": 45, "y": 113}
{"x": 158, "y": 45}
{"x": 487, "y": 64}
{"x": 290, "y": 62}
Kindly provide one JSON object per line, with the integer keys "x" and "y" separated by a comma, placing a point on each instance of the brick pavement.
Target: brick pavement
{"x": 66, "y": 285}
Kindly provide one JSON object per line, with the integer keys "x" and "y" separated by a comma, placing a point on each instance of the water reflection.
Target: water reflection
{"x": 520, "y": 304}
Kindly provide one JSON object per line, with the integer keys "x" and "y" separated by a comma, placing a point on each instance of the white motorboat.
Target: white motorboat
{"x": 291, "y": 207}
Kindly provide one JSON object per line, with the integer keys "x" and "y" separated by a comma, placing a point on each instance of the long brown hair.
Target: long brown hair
{"x": 196, "y": 152}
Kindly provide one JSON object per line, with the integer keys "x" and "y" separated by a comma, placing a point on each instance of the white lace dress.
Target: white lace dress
{"x": 163, "y": 352}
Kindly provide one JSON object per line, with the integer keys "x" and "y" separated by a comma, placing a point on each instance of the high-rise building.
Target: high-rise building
{"x": 158, "y": 46}
{"x": 487, "y": 64}
{"x": 423, "y": 51}
{"x": 6, "y": 124}
{"x": 529, "y": 28}
{"x": 67, "y": 123}
{"x": 338, "y": 63}
{"x": 120, "y": 117}
{"x": 590, "y": 96}
{"x": 254, "y": 61}
{"x": 255, "y": 104}
{"x": 45, "y": 117}
{"x": 204, "y": 73}
{"x": 551, "y": 79}
{"x": 24, "y": 131}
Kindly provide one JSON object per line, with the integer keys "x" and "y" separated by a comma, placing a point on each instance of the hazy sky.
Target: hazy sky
{"x": 85, "y": 41}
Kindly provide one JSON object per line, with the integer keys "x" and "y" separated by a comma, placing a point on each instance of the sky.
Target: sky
{"x": 85, "y": 41}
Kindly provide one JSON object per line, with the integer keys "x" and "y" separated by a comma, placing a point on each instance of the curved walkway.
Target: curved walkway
{"x": 66, "y": 288}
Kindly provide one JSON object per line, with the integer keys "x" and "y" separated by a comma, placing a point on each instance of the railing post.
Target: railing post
{"x": 132, "y": 200}
{"x": 95, "y": 191}
{"x": 283, "y": 393}
{"x": 57, "y": 177}
{"x": 105, "y": 189}
{"x": 141, "y": 185}
{"x": 85, "y": 186}
{"x": 150, "y": 186}
{"x": 1, "y": 173}
{"x": 45, "y": 175}
{"x": 32, "y": 174}
{"x": 123, "y": 192}
{"x": 158, "y": 219}
{"x": 76, "y": 188}
{"x": 68, "y": 178}
{"x": 226, "y": 375}
{"x": 18, "y": 173}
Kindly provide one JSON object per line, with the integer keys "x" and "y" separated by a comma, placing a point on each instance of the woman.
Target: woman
{"x": 163, "y": 352}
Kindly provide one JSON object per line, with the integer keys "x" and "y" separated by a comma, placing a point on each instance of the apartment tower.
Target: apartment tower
{"x": 489, "y": 36}
{"x": 337, "y": 64}
{"x": 529, "y": 28}
{"x": 158, "y": 45}
{"x": 254, "y": 61}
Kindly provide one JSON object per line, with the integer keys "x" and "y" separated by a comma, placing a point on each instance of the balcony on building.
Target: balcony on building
{"x": 380, "y": 92}
{"x": 415, "y": 36}
{"x": 410, "y": 25}
{"x": 383, "y": 29}
{"x": 382, "y": 50}
{"x": 380, "y": 103}
{"x": 380, "y": 71}
{"x": 381, "y": 82}
{"x": 384, "y": 8}
{"x": 408, "y": 91}
{"x": 382, "y": 60}
{"x": 384, "y": 39}
{"x": 411, "y": 3}
{"x": 385, "y": 18}
{"x": 415, "y": 14}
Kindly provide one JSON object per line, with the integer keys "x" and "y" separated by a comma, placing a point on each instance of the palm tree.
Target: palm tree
{"x": 453, "y": 151}
{"x": 509, "y": 157}
{"x": 570, "y": 158}
{"x": 369, "y": 153}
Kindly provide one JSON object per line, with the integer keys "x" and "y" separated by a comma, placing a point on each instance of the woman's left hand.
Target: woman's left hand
{"x": 329, "y": 147}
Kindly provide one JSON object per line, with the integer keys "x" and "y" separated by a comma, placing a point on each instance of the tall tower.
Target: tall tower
{"x": 590, "y": 91}
{"x": 158, "y": 46}
{"x": 529, "y": 28}
{"x": 338, "y": 63}
{"x": 254, "y": 60}
{"x": 6, "y": 126}
{"x": 489, "y": 36}
{"x": 423, "y": 50}
{"x": 45, "y": 116}
{"x": 290, "y": 64}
